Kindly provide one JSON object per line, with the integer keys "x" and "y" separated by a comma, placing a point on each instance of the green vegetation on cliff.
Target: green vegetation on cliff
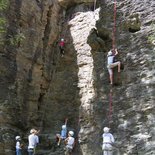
{"x": 151, "y": 38}
{"x": 3, "y": 7}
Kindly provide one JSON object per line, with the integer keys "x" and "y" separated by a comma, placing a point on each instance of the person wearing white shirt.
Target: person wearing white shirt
{"x": 18, "y": 145}
{"x": 111, "y": 64}
{"x": 33, "y": 141}
{"x": 70, "y": 141}
{"x": 108, "y": 140}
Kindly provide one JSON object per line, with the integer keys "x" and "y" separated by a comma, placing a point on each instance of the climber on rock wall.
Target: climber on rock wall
{"x": 61, "y": 46}
{"x": 63, "y": 134}
{"x": 111, "y": 63}
{"x": 108, "y": 141}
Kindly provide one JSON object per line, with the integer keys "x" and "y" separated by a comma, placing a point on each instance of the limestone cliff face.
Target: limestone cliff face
{"x": 40, "y": 89}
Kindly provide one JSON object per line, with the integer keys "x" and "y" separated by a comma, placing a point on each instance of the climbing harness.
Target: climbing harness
{"x": 114, "y": 27}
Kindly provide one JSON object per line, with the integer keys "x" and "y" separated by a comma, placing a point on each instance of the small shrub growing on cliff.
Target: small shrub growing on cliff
{"x": 3, "y": 7}
{"x": 2, "y": 30}
{"x": 17, "y": 39}
{"x": 3, "y": 4}
{"x": 2, "y": 24}
{"x": 151, "y": 38}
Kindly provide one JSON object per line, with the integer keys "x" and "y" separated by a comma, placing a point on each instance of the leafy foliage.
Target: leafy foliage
{"x": 17, "y": 39}
{"x": 151, "y": 38}
{"x": 3, "y": 7}
{"x": 2, "y": 25}
{"x": 3, "y": 4}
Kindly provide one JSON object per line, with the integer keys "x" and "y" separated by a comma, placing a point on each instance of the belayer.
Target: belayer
{"x": 108, "y": 141}
{"x": 18, "y": 145}
{"x": 33, "y": 140}
{"x": 70, "y": 142}
{"x": 63, "y": 134}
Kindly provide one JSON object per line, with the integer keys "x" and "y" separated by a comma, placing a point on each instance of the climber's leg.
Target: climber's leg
{"x": 110, "y": 75}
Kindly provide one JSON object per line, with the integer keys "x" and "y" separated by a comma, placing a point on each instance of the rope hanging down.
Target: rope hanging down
{"x": 114, "y": 27}
{"x": 110, "y": 107}
{"x": 113, "y": 46}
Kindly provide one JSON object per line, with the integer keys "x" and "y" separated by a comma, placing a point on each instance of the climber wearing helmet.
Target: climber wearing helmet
{"x": 18, "y": 145}
{"x": 111, "y": 64}
{"x": 70, "y": 141}
{"x": 153, "y": 42}
{"x": 61, "y": 46}
{"x": 108, "y": 140}
{"x": 63, "y": 134}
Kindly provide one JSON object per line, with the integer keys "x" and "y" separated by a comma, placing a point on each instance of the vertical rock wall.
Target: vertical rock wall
{"x": 41, "y": 89}
{"x": 81, "y": 25}
{"x": 29, "y": 58}
{"x": 131, "y": 98}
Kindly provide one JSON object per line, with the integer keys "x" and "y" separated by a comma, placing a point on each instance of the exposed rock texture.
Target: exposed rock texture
{"x": 39, "y": 88}
{"x": 69, "y": 3}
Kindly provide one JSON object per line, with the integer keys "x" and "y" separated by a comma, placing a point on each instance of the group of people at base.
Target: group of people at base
{"x": 33, "y": 141}
{"x": 107, "y": 147}
{"x": 108, "y": 138}
{"x": 68, "y": 140}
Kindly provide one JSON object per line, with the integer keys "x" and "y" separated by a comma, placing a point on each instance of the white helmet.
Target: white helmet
{"x": 106, "y": 129}
{"x": 109, "y": 53}
{"x": 71, "y": 133}
{"x": 63, "y": 126}
{"x": 17, "y": 137}
{"x": 62, "y": 39}
{"x": 32, "y": 131}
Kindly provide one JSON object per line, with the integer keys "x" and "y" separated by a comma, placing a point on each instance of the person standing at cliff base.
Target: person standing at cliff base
{"x": 33, "y": 141}
{"x": 70, "y": 142}
{"x": 18, "y": 145}
{"x": 63, "y": 134}
{"x": 108, "y": 141}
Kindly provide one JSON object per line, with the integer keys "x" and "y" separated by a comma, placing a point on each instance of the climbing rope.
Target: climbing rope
{"x": 114, "y": 27}
{"x": 94, "y": 8}
{"x": 65, "y": 32}
{"x": 110, "y": 107}
{"x": 113, "y": 46}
